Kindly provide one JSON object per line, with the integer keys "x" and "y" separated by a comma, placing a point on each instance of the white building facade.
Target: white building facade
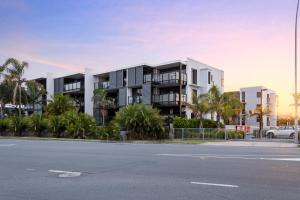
{"x": 252, "y": 98}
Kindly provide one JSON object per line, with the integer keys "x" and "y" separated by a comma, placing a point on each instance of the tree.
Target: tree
{"x": 101, "y": 99}
{"x": 15, "y": 72}
{"x": 215, "y": 102}
{"x": 5, "y": 95}
{"x": 34, "y": 93}
{"x": 60, "y": 104}
{"x": 141, "y": 121}
{"x": 231, "y": 107}
{"x": 199, "y": 107}
{"x": 224, "y": 105}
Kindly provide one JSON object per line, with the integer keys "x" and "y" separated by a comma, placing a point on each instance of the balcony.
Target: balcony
{"x": 168, "y": 99}
{"x": 165, "y": 78}
{"x": 135, "y": 99}
{"x": 112, "y": 103}
{"x": 73, "y": 87}
{"x": 101, "y": 85}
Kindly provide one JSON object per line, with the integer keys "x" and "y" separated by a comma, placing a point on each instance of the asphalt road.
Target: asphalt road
{"x": 42, "y": 170}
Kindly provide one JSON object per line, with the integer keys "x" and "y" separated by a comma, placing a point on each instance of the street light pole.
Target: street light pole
{"x": 296, "y": 78}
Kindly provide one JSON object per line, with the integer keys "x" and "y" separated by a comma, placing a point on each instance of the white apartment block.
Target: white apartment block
{"x": 164, "y": 86}
{"x": 252, "y": 98}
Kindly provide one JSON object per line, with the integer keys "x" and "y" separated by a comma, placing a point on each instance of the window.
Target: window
{"x": 258, "y": 119}
{"x": 194, "y": 74}
{"x": 268, "y": 98}
{"x": 243, "y": 96}
{"x": 209, "y": 77}
{"x": 268, "y": 121}
{"x": 194, "y": 93}
{"x": 258, "y": 94}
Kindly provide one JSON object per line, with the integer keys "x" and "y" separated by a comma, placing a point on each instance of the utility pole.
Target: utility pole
{"x": 296, "y": 78}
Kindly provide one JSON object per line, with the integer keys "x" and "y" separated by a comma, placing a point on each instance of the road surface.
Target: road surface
{"x": 71, "y": 170}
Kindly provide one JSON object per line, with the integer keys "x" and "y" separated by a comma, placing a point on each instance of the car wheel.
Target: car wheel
{"x": 292, "y": 135}
{"x": 271, "y": 135}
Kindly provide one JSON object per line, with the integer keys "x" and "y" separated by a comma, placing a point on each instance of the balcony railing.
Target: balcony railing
{"x": 135, "y": 99}
{"x": 102, "y": 85}
{"x": 165, "y": 78}
{"x": 72, "y": 86}
{"x": 168, "y": 99}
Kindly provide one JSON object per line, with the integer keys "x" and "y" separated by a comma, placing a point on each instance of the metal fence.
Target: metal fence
{"x": 205, "y": 134}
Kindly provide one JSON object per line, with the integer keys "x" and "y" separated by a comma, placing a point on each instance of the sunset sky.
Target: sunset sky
{"x": 252, "y": 41}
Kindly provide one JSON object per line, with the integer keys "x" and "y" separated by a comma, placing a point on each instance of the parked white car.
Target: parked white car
{"x": 282, "y": 132}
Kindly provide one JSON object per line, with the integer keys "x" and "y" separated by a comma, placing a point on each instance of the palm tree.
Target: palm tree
{"x": 34, "y": 93}
{"x": 60, "y": 104}
{"x": 16, "y": 70}
{"x": 5, "y": 94}
{"x": 224, "y": 105}
{"x": 232, "y": 107}
{"x": 199, "y": 107}
{"x": 215, "y": 102}
{"x": 100, "y": 98}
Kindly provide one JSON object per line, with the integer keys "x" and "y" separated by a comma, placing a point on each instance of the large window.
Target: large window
{"x": 194, "y": 74}
{"x": 194, "y": 93}
{"x": 243, "y": 96}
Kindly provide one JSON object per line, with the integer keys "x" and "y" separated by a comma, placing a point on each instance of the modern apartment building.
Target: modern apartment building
{"x": 253, "y": 98}
{"x": 165, "y": 86}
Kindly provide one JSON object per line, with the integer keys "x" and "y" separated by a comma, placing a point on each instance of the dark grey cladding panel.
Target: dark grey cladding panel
{"x": 58, "y": 85}
{"x": 112, "y": 79}
{"x": 122, "y": 96}
{"x": 119, "y": 78}
{"x": 146, "y": 93}
{"x": 131, "y": 76}
{"x": 139, "y": 75}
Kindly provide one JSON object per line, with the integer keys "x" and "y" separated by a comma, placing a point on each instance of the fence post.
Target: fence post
{"x": 202, "y": 133}
{"x": 182, "y": 134}
{"x": 225, "y": 134}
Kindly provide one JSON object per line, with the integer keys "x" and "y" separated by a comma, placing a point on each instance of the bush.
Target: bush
{"x": 79, "y": 125}
{"x": 141, "y": 121}
{"x": 57, "y": 125}
{"x": 180, "y": 122}
{"x": 37, "y": 124}
{"x": 18, "y": 125}
{"x": 4, "y": 125}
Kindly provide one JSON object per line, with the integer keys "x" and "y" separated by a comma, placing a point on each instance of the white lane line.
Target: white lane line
{"x": 65, "y": 174}
{"x": 7, "y": 145}
{"x": 230, "y": 157}
{"x": 215, "y": 184}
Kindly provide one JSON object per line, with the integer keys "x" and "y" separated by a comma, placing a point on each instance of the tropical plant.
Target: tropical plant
{"x": 38, "y": 124}
{"x": 199, "y": 107}
{"x": 79, "y": 125}
{"x": 18, "y": 125}
{"x": 15, "y": 72}
{"x": 57, "y": 125}
{"x": 224, "y": 105}
{"x": 101, "y": 99}
{"x": 34, "y": 93}
{"x": 4, "y": 125}
{"x": 141, "y": 121}
{"x": 232, "y": 107}
{"x": 59, "y": 105}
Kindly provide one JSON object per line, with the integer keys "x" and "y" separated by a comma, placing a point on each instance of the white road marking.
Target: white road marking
{"x": 65, "y": 174}
{"x": 30, "y": 169}
{"x": 247, "y": 157}
{"x": 215, "y": 184}
{"x": 7, "y": 145}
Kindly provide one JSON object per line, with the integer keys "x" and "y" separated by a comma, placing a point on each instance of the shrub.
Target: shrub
{"x": 18, "y": 125}
{"x": 57, "y": 125}
{"x": 79, "y": 125}
{"x": 181, "y": 122}
{"x": 141, "y": 121}
{"x": 37, "y": 124}
{"x": 4, "y": 125}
